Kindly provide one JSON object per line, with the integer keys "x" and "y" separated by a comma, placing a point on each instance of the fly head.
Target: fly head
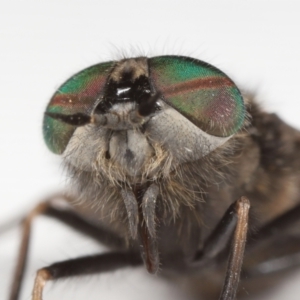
{"x": 124, "y": 127}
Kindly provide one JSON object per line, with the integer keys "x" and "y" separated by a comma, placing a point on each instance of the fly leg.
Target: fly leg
{"x": 233, "y": 227}
{"x": 65, "y": 214}
{"x": 237, "y": 251}
{"x": 83, "y": 266}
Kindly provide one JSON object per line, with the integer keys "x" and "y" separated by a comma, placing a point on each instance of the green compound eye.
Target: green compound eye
{"x": 77, "y": 95}
{"x": 199, "y": 91}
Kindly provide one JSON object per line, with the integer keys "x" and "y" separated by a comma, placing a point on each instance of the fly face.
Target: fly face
{"x": 136, "y": 120}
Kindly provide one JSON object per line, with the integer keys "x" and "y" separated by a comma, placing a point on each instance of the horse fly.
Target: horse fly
{"x": 165, "y": 156}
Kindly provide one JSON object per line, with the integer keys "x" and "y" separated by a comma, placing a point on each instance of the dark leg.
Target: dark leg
{"x": 220, "y": 238}
{"x": 67, "y": 216}
{"x": 237, "y": 251}
{"x": 23, "y": 252}
{"x": 83, "y": 266}
{"x": 234, "y": 223}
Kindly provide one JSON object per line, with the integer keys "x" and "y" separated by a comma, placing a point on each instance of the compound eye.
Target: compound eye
{"x": 200, "y": 92}
{"x": 76, "y": 97}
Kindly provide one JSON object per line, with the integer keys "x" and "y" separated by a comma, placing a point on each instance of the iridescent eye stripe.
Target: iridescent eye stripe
{"x": 84, "y": 88}
{"x": 80, "y": 92}
{"x": 70, "y": 104}
{"x": 196, "y": 84}
{"x": 85, "y": 80}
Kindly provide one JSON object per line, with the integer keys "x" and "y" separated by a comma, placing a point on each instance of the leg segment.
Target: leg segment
{"x": 237, "y": 251}
{"x": 220, "y": 238}
{"x": 23, "y": 252}
{"x": 66, "y": 215}
{"x": 83, "y": 266}
{"x": 233, "y": 226}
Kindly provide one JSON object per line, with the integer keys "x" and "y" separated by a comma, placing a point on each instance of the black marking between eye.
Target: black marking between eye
{"x": 78, "y": 119}
{"x": 124, "y": 90}
{"x": 148, "y": 105}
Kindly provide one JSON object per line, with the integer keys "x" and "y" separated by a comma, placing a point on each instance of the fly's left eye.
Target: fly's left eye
{"x": 199, "y": 91}
{"x": 76, "y": 97}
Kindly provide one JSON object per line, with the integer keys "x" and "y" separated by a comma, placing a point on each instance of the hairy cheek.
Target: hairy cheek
{"x": 130, "y": 150}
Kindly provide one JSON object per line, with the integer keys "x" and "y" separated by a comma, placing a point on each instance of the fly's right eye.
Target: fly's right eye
{"x": 199, "y": 91}
{"x": 75, "y": 98}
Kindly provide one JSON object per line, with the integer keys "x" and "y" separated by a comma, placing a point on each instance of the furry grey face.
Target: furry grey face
{"x": 125, "y": 146}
